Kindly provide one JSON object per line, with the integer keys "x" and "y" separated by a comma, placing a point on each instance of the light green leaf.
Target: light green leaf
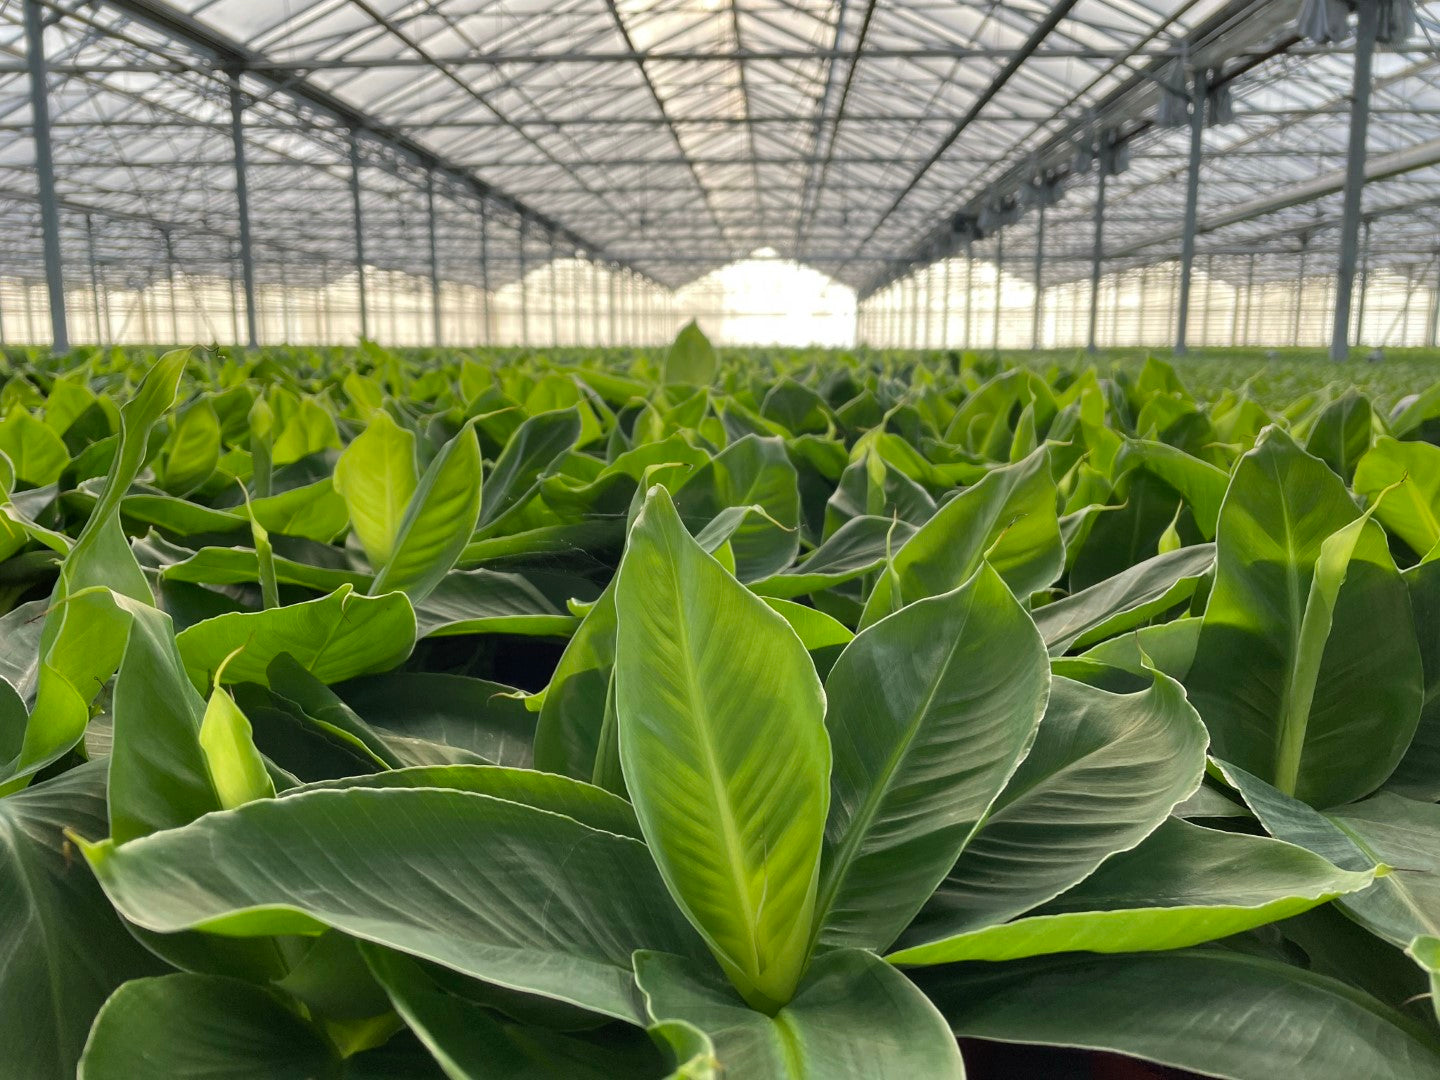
{"x": 1324, "y": 712}
{"x": 1411, "y": 511}
{"x": 724, "y": 752}
{"x": 691, "y": 358}
{"x": 1008, "y": 519}
{"x": 1183, "y": 885}
{"x": 64, "y": 949}
{"x": 290, "y": 865}
{"x": 853, "y": 1016}
{"x": 931, "y": 711}
{"x": 376, "y": 475}
{"x": 1124, "y": 601}
{"x": 1106, "y": 769}
{"x": 335, "y": 637}
{"x": 1222, "y": 1014}
{"x": 203, "y": 1025}
{"x": 438, "y": 522}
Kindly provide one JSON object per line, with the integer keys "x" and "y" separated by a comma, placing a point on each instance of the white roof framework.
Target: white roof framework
{"x": 674, "y": 136}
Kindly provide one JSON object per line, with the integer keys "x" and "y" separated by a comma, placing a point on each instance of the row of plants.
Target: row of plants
{"x": 647, "y": 714}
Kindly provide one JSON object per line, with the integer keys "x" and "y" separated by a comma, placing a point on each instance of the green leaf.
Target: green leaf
{"x": 311, "y": 511}
{"x": 37, "y": 453}
{"x": 1342, "y": 433}
{"x": 1411, "y": 511}
{"x": 64, "y": 949}
{"x": 1124, "y": 601}
{"x": 192, "y": 450}
{"x": 751, "y": 472}
{"x": 470, "y": 1041}
{"x": 489, "y": 602}
{"x": 587, "y": 804}
{"x": 160, "y": 774}
{"x": 853, "y": 1016}
{"x": 568, "y": 733}
{"x": 1106, "y": 769}
{"x": 691, "y": 358}
{"x": 1201, "y": 484}
{"x": 291, "y": 865}
{"x": 1008, "y": 519}
{"x": 1418, "y": 774}
{"x": 472, "y": 719}
{"x": 1223, "y": 1014}
{"x": 202, "y": 1025}
{"x": 724, "y": 752}
{"x": 438, "y": 522}
{"x": 1183, "y": 885}
{"x": 376, "y": 475}
{"x": 1403, "y": 903}
{"x": 335, "y": 637}
{"x": 931, "y": 711}
{"x": 536, "y": 446}
{"x": 83, "y": 638}
{"x": 1325, "y": 712}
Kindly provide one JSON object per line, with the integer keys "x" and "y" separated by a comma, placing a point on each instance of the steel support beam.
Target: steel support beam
{"x": 524, "y": 284}
{"x": 95, "y": 295}
{"x": 1367, "y": 29}
{"x": 359, "y": 224}
{"x": 169, "y": 241}
{"x": 45, "y": 173}
{"x": 242, "y": 211}
{"x": 1097, "y": 256}
{"x": 999, "y": 289}
{"x": 1192, "y": 210}
{"x": 1038, "y": 315}
{"x": 437, "y": 331}
{"x": 554, "y": 296}
{"x": 1299, "y": 299}
{"x": 1364, "y": 285}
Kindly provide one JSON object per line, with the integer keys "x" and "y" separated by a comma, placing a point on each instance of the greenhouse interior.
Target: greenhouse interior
{"x": 720, "y": 540}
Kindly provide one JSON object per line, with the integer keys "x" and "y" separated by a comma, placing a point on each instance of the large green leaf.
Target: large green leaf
{"x": 474, "y": 719}
{"x": 470, "y": 1042}
{"x": 1418, "y": 774}
{"x": 1106, "y": 769}
{"x": 751, "y": 472}
{"x": 724, "y": 752}
{"x": 1290, "y": 676}
{"x": 335, "y": 637}
{"x": 1008, "y": 519}
{"x": 690, "y": 358}
{"x": 563, "y": 928}
{"x": 376, "y": 476}
{"x": 569, "y": 731}
{"x": 1411, "y": 511}
{"x": 853, "y": 1016}
{"x": 931, "y": 711}
{"x": 1183, "y": 885}
{"x": 204, "y": 1026}
{"x": 1124, "y": 601}
{"x": 439, "y": 521}
{"x": 1343, "y": 432}
{"x": 536, "y": 445}
{"x": 64, "y": 950}
{"x": 1402, "y": 904}
{"x": 1222, "y": 1014}
{"x": 84, "y": 636}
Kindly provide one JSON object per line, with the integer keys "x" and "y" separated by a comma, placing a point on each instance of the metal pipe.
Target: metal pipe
{"x": 1097, "y": 254}
{"x": 945, "y": 307}
{"x": 94, "y": 278}
{"x": 999, "y": 297}
{"x": 1192, "y": 209}
{"x": 359, "y": 222}
{"x": 1039, "y": 312}
{"x": 45, "y": 173}
{"x": 1249, "y": 295}
{"x": 524, "y": 286}
{"x": 1364, "y": 285}
{"x": 487, "y": 295}
{"x": 242, "y": 210}
{"x": 1367, "y": 30}
{"x": 170, "y": 286}
{"x": 554, "y": 297}
{"x": 969, "y": 292}
{"x": 436, "y": 329}
{"x": 1299, "y": 299}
